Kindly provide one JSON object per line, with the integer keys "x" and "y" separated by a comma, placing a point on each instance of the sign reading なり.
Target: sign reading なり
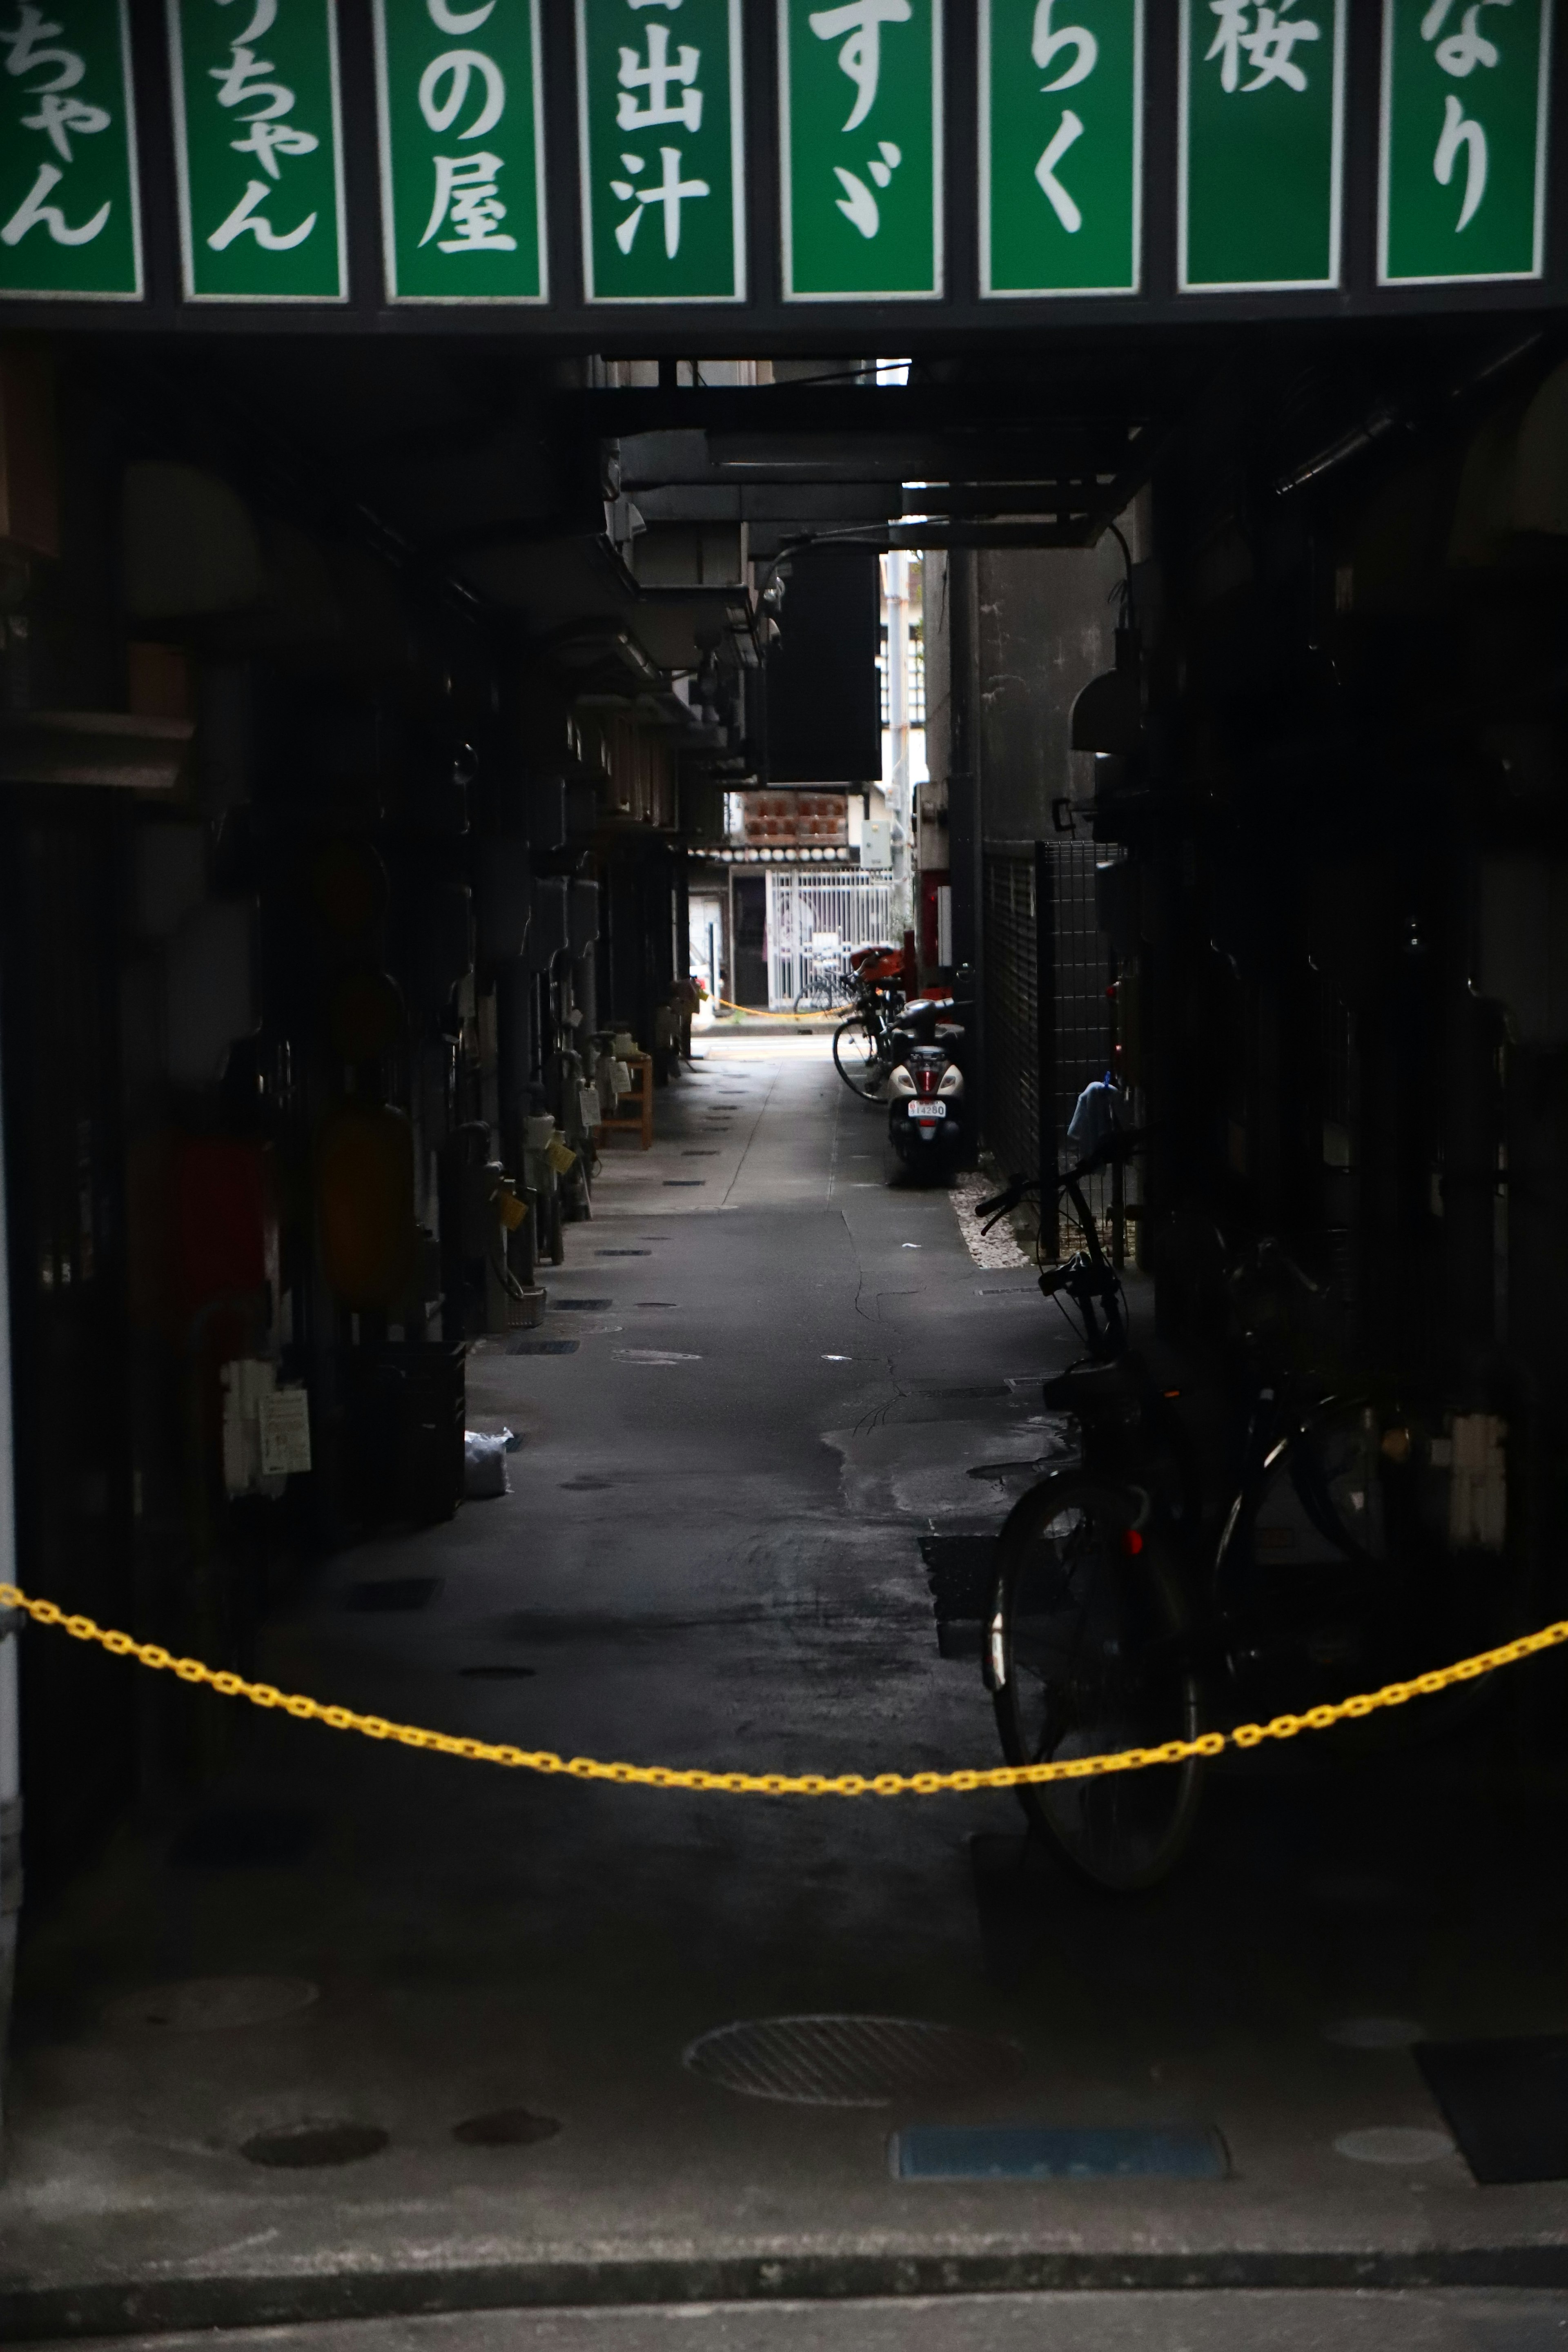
{"x": 1062, "y": 121}
{"x": 462, "y": 150}
{"x": 260, "y": 149}
{"x": 1262, "y": 138}
{"x": 69, "y": 215}
{"x": 1464, "y": 139}
{"x": 860, "y": 102}
{"x": 661, "y": 150}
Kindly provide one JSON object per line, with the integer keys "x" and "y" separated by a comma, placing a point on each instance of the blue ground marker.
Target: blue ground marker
{"x": 1039, "y": 2152}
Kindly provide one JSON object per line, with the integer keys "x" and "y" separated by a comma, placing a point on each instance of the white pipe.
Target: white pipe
{"x": 10, "y": 1726}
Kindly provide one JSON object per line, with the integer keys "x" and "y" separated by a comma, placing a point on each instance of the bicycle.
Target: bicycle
{"x": 1122, "y": 1616}
{"x": 864, "y": 1046}
{"x": 824, "y": 987}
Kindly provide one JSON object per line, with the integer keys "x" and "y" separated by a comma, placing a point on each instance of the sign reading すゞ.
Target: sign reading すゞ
{"x": 69, "y": 215}
{"x": 661, "y": 145}
{"x": 462, "y": 150}
{"x": 260, "y": 149}
{"x": 860, "y": 102}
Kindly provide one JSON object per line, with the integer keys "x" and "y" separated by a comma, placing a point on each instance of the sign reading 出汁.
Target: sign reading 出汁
{"x": 462, "y": 150}
{"x": 1463, "y": 191}
{"x": 1261, "y": 124}
{"x": 861, "y": 100}
{"x": 661, "y": 142}
{"x": 69, "y": 222}
{"x": 1061, "y": 120}
{"x": 260, "y": 149}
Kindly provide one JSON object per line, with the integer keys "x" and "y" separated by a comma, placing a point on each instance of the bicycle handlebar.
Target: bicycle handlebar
{"x": 1120, "y": 1145}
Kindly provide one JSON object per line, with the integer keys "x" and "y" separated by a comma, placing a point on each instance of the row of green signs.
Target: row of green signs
{"x": 1261, "y": 107}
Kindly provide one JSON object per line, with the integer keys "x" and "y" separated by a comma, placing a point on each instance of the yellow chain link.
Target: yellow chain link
{"x": 786, "y": 1784}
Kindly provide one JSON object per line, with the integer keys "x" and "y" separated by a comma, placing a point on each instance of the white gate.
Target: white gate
{"x": 814, "y": 919}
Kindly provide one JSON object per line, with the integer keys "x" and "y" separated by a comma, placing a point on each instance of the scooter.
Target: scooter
{"x": 925, "y": 1090}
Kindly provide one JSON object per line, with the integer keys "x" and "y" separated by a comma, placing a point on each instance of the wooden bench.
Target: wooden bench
{"x": 641, "y": 1069}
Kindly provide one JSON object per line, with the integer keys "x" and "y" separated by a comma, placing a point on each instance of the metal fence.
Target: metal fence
{"x": 814, "y": 920}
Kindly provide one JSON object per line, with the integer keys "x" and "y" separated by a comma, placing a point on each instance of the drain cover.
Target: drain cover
{"x": 581, "y": 1306}
{"x": 847, "y": 2062}
{"x": 682, "y": 1183}
{"x": 506, "y": 2127}
{"x": 393, "y": 1592}
{"x": 542, "y": 1346}
{"x": 214, "y": 2004}
{"x": 298, "y": 2147}
{"x": 616, "y": 1253}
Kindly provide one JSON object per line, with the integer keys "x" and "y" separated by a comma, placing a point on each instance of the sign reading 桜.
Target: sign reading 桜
{"x": 260, "y": 149}
{"x": 1061, "y": 125}
{"x": 69, "y": 223}
{"x": 860, "y": 104}
{"x": 661, "y": 150}
{"x": 1261, "y": 137}
{"x": 1463, "y": 181}
{"x": 462, "y": 150}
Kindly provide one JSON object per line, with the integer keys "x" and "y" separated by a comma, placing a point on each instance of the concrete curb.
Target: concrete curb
{"x": 38, "y": 2314}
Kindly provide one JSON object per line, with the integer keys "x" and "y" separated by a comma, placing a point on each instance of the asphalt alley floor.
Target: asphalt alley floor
{"x": 782, "y": 1372}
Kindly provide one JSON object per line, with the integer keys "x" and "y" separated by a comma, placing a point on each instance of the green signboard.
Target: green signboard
{"x": 260, "y": 149}
{"x": 1261, "y": 136}
{"x": 1061, "y": 146}
{"x": 861, "y": 98}
{"x": 69, "y": 223}
{"x": 462, "y": 150}
{"x": 1463, "y": 183}
{"x": 661, "y": 149}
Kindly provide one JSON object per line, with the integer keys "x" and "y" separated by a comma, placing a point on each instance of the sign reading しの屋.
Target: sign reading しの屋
{"x": 260, "y": 149}
{"x": 861, "y": 97}
{"x": 462, "y": 150}
{"x": 661, "y": 149}
{"x": 1463, "y": 191}
{"x": 69, "y": 215}
{"x": 1062, "y": 121}
{"x": 1262, "y": 134}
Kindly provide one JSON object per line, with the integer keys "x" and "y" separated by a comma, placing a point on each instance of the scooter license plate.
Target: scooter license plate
{"x": 927, "y": 1110}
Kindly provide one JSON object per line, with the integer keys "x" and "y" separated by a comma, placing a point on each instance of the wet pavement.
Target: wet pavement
{"x": 469, "y": 1995}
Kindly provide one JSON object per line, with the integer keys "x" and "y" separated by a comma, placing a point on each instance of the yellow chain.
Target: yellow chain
{"x": 786, "y": 1784}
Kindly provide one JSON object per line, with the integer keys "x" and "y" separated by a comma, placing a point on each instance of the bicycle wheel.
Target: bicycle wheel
{"x": 858, "y": 1057}
{"x": 1088, "y": 1656}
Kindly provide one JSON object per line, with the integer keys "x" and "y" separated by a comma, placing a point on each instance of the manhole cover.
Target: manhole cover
{"x": 299, "y": 2147}
{"x": 506, "y": 2127}
{"x": 683, "y": 1183}
{"x": 619, "y": 1252}
{"x": 214, "y": 2004}
{"x": 847, "y": 2062}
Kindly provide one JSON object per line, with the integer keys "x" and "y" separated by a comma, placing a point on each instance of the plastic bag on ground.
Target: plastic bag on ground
{"x": 484, "y": 1464}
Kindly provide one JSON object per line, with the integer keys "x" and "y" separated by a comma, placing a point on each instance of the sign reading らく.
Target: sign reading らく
{"x": 462, "y": 150}
{"x": 1062, "y": 122}
{"x": 68, "y": 214}
{"x": 1463, "y": 189}
{"x": 260, "y": 149}
{"x": 860, "y": 104}
{"x": 661, "y": 150}
{"x": 1262, "y": 135}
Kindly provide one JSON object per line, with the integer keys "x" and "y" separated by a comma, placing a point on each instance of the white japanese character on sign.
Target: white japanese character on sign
{"x": 1458, "y": 131}
{"x": 857, "y": 204}
{"x": 659, "y": 76}
{"x": 1463, "y": 51}
{"x": 468, "y": 200}
{"x": 861, "y": 57}
{"x": 456, "y": 68}
{"x": 60, "y": 117}
{"x": 243, "y": 83}
{"x": 1069, "y": 131}
{"x": 672, "y": 191}
{"x": 1049, "y": 43}
{"x": 1270, "y": 43}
